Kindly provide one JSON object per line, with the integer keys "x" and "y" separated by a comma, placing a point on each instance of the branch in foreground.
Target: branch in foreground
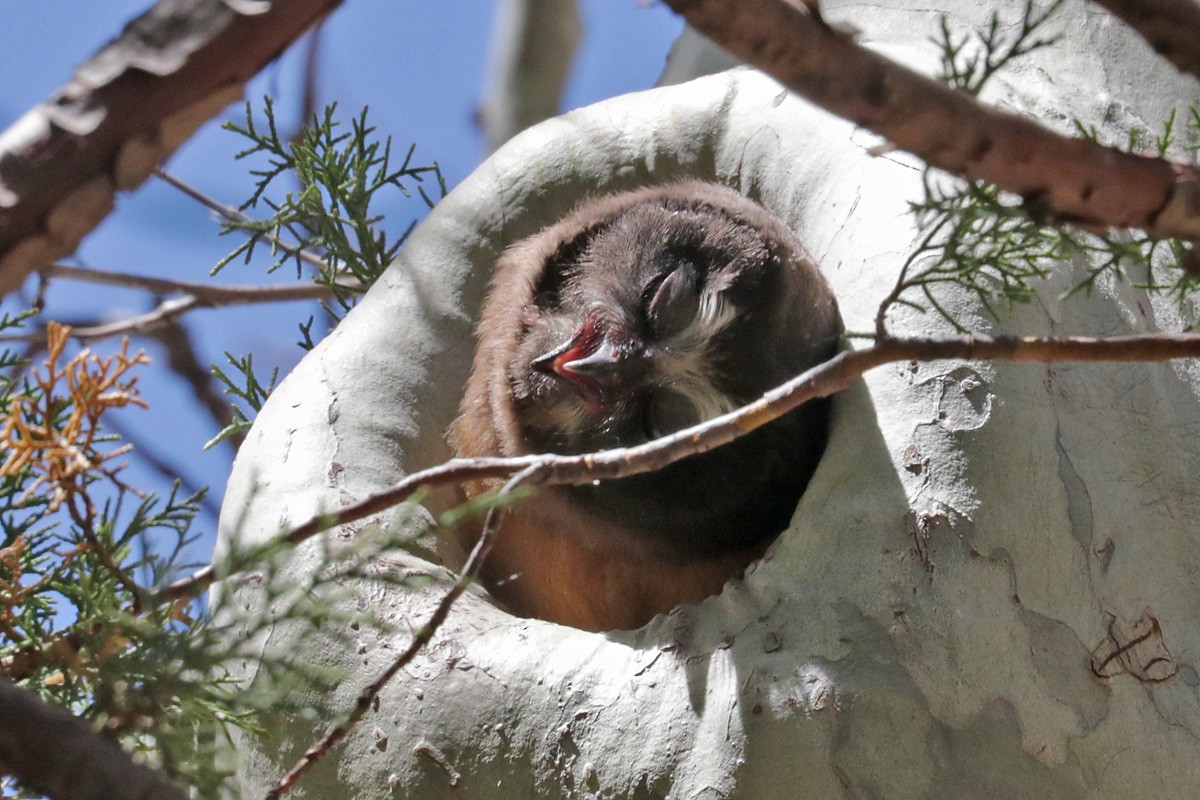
{"x": 822, "y": 380}
{"x": 1171, "y": 27}
{"x": 1071, "y": 180}
{"x": 55, "y": 754}
{"x": 167, "y": 312}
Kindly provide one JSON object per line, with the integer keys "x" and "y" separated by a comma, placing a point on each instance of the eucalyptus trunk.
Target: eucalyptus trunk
{"x": 989, "y": 589}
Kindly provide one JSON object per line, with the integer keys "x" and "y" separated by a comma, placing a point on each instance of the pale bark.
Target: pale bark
{"x": 533, "y": 48}
{"x": 1171, "y": 27}
{"x": 948, "y": 613}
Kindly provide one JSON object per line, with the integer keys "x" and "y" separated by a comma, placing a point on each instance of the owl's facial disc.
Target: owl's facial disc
{"x": 598, "y": 362}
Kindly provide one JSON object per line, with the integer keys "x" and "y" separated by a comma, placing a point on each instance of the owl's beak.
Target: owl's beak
{"x": 597, "y": 361}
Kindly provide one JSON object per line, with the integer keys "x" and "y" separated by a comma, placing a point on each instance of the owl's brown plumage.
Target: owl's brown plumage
{"x": 639, "y": 314}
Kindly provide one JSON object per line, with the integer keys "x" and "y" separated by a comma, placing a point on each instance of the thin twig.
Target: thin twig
{"x": 455, "y": 471}
{"x": 822, "y": 380}
{"x": 210, "y": 293}
{"x": 85, "y": 520}
{"x": 164, "y": 312}
{"x": 234, "y": 215}
{"x": 902, "y": 283}
{"x": 531, "y": 475}
{"x": 168, "y": 311}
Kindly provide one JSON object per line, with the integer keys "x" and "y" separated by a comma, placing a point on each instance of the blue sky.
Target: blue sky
{"x": 420, "y": 67}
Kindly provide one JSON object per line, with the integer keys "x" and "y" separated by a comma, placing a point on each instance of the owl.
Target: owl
{"x": 637, "y": 315}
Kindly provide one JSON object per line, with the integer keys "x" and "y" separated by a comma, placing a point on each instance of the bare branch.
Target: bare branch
{"x": 459, "y": 470}
{"x": 1069, "y": 180}
{"x": 234, "y": 215}
{"x": 125, "y": 111}
{"x": 822, "y": 380}
{"x": 209, "y": 293}
{"x": 53, "y": 753}
{"x": 167, "y": 312}
{"x": 1171, "y": 27}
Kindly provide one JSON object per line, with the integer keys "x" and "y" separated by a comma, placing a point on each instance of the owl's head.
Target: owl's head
{"x": 664, "y": 310}
{"x": 640, "y": 314}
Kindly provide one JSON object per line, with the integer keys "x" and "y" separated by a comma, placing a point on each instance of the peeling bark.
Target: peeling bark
{"x": 125, "y": 111}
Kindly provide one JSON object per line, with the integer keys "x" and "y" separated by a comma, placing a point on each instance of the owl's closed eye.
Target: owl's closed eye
{"x": 637, "y": 315}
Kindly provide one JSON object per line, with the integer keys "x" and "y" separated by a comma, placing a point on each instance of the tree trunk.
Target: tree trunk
{"x": 988, "y": 590}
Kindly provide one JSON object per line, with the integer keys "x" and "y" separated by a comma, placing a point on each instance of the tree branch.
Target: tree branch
{"x": 167, "y": 312}
{"x": 53, "y": 753}
{"x": 209, "y": 293}
{"x": 1171, "y": 27}
{"x": 125, "y": 111}
{"x": 1070, "y": 180}
{"x": 162, "y": 314}
{"x": 234, "y": 215}
{"x": 822, "y": 380}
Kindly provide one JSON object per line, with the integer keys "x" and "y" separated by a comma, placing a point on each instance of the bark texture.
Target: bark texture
{"x": 533, "y": 47}
{"x": 987, "y": 591}
{"x": 127, "y": 109}
{"x": 58, "y": 755}
{"x": 1066, "y": 178}
{"x": 1169, "y": 26}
